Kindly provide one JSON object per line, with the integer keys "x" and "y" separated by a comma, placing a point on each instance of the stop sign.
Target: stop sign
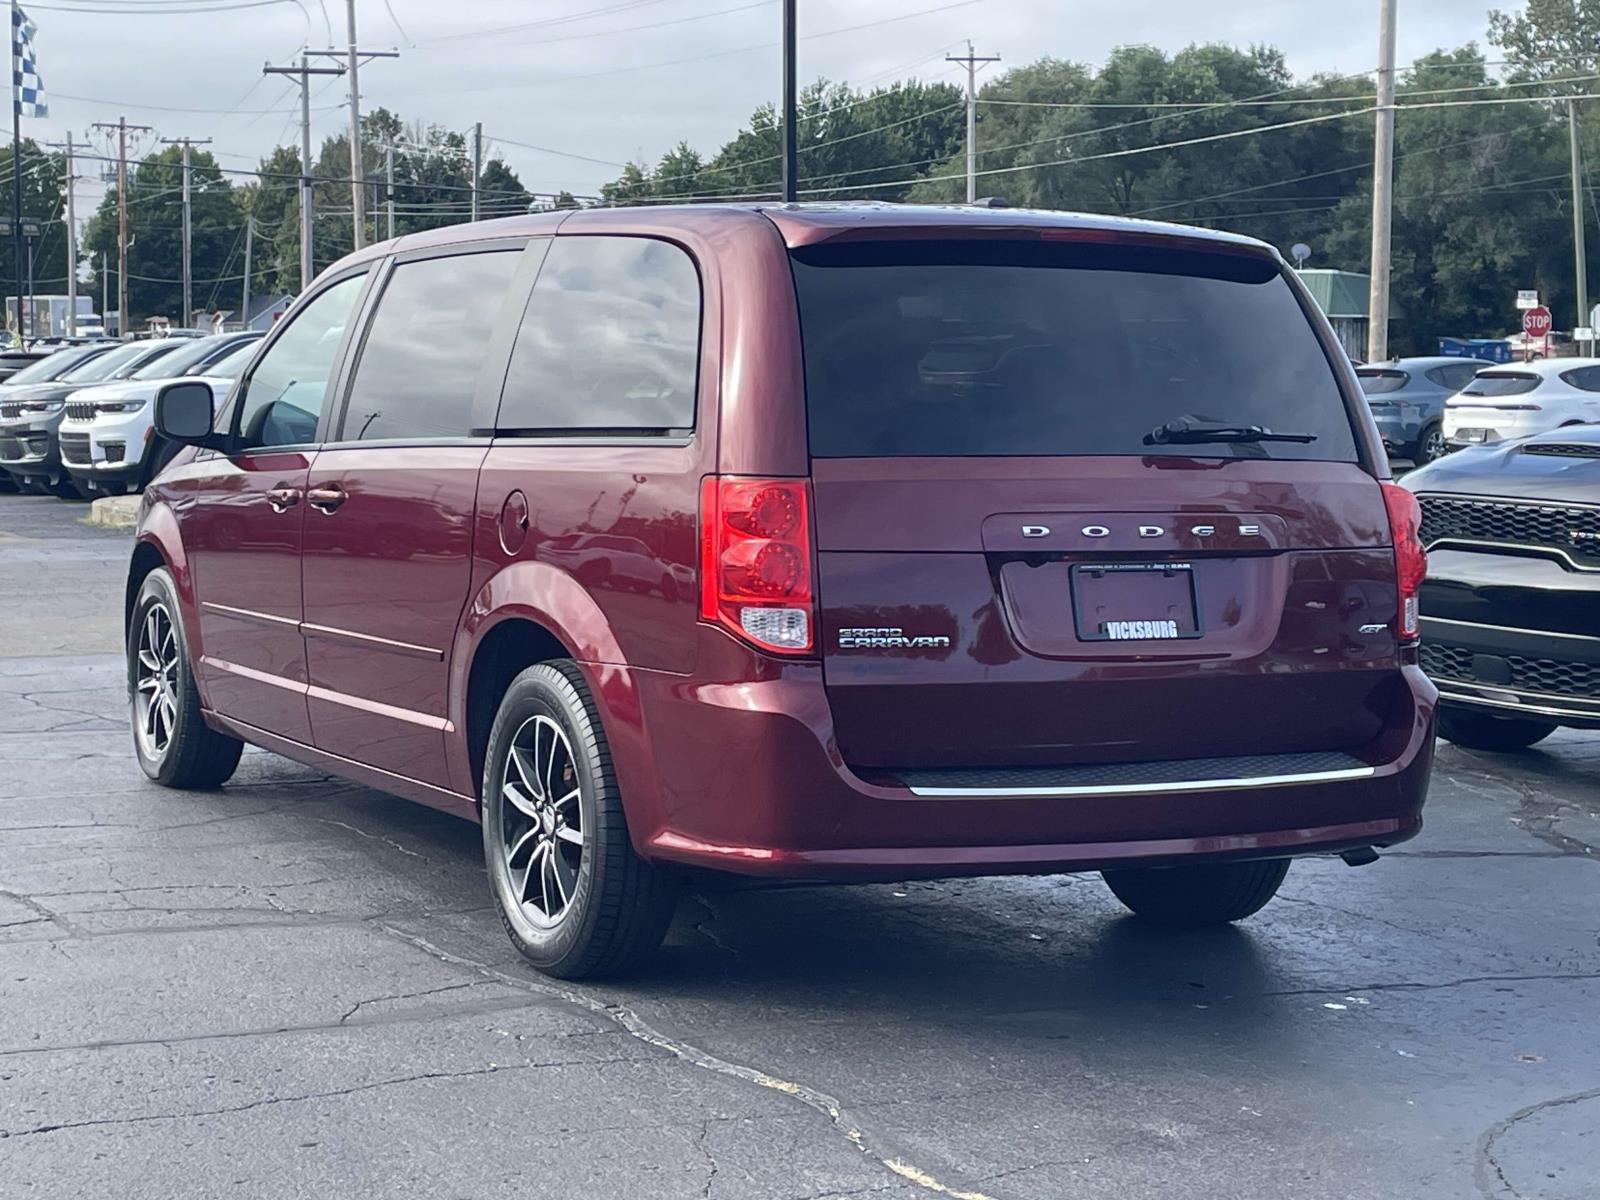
{"x": 1536, "y": 322}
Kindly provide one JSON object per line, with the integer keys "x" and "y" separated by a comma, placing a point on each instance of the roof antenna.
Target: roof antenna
{"x": 992, "y": 202}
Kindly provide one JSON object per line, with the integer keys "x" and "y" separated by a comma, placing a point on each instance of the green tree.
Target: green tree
{"x": 43, "y": 174}
{"x": 155, "y": 223}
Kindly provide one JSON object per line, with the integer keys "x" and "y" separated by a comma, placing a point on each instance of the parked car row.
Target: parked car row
{"x": 78, "y": 422}
{"x": 1426, "y": 407}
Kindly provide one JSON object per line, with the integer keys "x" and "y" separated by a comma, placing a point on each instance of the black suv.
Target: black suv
{"x": 1511, "y": 604}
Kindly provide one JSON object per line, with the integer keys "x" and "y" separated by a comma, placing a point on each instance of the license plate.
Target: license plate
{"x": 1134, "y": 602}
{"x": 1472, "y": 435}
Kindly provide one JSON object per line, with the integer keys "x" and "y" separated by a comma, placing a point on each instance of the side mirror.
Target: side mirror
{"x": 184, "y": 412}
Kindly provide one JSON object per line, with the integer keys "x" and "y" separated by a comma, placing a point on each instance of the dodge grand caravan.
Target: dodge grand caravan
{"x": 984, "y": 542}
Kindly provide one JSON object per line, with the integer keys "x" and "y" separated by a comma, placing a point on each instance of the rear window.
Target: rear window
{"x": 959, "y": 349}
{"x": 1378, "y": 383}
{"x": 1501, "y": 383}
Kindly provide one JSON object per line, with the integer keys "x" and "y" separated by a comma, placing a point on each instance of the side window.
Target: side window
{"x": 1583, "y": 378}
{"x": 426, "y": 345}
{"x": 1440, "y": 376}
{"x": 285, "y": 393}
{"x": 610, "y": 340}
{"x": 1457, "y": 377}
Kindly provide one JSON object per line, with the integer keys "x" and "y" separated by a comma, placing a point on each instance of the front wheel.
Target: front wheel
{"x": 1480, "y": 731}
{"x": 175, "y": 746}
{"x": 1209, "y": 894}
{"x": 575, "y": 899}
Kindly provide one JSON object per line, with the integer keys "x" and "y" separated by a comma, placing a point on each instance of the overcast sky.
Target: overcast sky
{"x": 615, "y": 79}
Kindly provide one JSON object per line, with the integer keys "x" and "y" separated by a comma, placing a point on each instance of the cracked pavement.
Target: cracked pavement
{"x": 296, "y": 987}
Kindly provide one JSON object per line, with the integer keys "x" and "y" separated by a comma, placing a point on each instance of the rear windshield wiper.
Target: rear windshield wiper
{"x": 1186, "y": 432}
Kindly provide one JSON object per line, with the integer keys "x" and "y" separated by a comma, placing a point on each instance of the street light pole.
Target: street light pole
{"x": 1382, "y": 189}
{"x": 1579, "y": 249}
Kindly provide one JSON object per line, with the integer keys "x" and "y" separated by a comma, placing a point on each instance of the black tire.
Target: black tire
{"x": 1209, "y": 894}
{"x": 193, "y": 755}
{"x": 1480, "y": 731}
{"x": 616, "y": 905}
{"x": 1430, "y": 445}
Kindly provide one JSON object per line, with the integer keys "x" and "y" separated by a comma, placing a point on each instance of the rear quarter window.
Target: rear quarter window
{"x": 957, "y": 349}
{"x": 609, "y": 342}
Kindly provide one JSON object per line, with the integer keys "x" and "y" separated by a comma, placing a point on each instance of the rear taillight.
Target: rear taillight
{"x": 755, "y": 560}
{"x": 1410, "y": 559}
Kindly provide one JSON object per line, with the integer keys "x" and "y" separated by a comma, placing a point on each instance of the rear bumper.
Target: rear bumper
{"x": 746, "y": 777}
{"x": 1399, "y": 428}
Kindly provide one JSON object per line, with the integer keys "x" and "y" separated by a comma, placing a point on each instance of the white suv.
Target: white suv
{"x": 108, "y": 443}
{"x": 1522, "y": 398}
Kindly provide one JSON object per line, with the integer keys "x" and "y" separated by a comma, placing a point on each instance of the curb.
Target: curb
{"x": 114, "y": 512}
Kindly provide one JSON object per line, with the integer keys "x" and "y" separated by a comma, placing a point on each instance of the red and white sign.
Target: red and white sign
{"x": 1537, "y": 322}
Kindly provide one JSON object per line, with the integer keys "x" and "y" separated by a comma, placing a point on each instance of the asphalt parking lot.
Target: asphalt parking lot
{"x": 295, "y": 987}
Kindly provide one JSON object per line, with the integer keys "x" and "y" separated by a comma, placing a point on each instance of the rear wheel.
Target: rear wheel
{"x": 573, "y": 896}
{"x": 174, "y": 744}
{"x": 1209, "y": 894}
{"x": 1430, "y": 445}
{"x": 1480, "y": 731}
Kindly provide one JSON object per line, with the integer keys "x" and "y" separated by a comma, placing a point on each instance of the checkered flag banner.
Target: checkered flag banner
{"x": 28, "y": 88}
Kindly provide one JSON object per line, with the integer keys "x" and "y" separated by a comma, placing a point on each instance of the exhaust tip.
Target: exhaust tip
{"x": 1359, "y": 857}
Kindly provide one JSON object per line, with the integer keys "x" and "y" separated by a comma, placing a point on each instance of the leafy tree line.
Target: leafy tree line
{"x": 1482, "y": 196}
{"x": 433, "y": 183}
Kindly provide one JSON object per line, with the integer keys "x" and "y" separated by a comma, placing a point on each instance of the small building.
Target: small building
{"x": 263, "y": 315}
{"x": 1343, "y": 296}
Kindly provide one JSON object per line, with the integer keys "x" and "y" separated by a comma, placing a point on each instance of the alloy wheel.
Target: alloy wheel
{"x": 541, "y": 821}
{"x": 1432, "y": 445}
{"x": 155, "y": 696}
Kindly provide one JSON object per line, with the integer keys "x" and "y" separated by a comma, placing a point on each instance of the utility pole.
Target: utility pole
{"x": 249, "y": 246}
{"x": 353, "y": 57}
{"x": 304, "y": 72}
{"x": 188, "y": 227}
{"x": 791, "y": 181}
{"x": 72, "y": 245}
{"x": 16, "y": 163}
{"x": 477, "y": 164}
{"x": 971, "y": 60}
{"x": 1578, "y": 248}
{"x": 388, "y": 185}
{"x": 123, "y": 128}
{"x": 1382, "y": 189}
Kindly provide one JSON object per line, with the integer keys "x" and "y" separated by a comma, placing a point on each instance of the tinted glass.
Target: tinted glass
{"x": 53, "y": 366}
{"x": 187, "y": 354}
{"x": 1378, "y": 383}
{"x": 150, "y": 352}
{"x": 1501, "y": 383}
{"x": 290, "y": 383}
{"x": 425, "y": 347}
{"x": 610, "y": 340}
{"x": 232, "y": 366}
{"x": 963, "y": 348}
{"x": 99, "y": 369}
{"x": 1459, "y": 375}
{"x": 1584, "y": 378}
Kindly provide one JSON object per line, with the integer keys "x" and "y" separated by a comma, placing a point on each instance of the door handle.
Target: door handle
{"x": 283, "y": 499}
{"x": 326, "y": 497}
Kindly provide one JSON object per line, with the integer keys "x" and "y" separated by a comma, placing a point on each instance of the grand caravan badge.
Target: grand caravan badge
{"x": 888, "y": 637}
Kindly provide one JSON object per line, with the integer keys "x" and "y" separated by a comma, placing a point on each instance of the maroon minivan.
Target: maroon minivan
{"x": 831, "y": 542}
